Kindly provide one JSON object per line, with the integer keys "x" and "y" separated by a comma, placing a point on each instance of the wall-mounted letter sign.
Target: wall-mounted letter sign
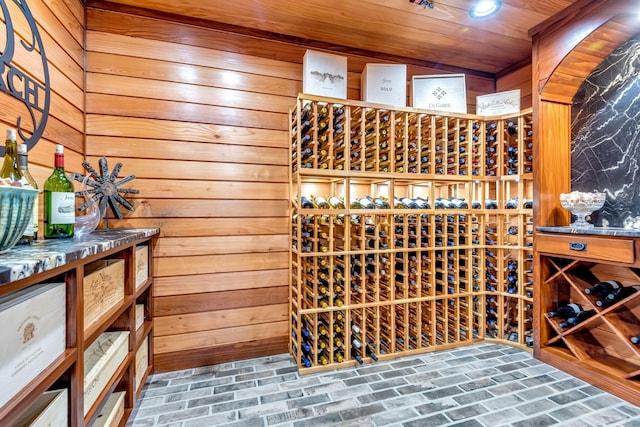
{"x": 32, "y": 88}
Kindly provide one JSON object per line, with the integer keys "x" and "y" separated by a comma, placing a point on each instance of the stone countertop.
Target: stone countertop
{"x": 26, "y": 260}
{"x": 596, "y": 231}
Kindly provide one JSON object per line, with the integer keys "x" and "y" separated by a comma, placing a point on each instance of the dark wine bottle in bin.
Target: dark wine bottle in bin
{"x": 618, "y": 295}
{"x": 604, "y": 288}
{"x": 577, "y": 319}
{"x": 566, "y": 311}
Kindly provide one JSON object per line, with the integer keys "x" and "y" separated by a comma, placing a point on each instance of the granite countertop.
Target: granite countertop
{"x": 597, "y": 231}
{"x": 26, "y": 260}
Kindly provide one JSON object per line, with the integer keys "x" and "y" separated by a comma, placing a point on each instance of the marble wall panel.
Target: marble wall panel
{"x": 605, "y": 152}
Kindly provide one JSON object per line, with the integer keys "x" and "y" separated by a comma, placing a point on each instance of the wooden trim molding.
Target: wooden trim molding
{"x": 569, "y": 47}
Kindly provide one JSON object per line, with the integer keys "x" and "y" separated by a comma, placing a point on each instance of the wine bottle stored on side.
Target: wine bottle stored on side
{"x": 604, "y": 288}
{"x": 355, "y": 354}
{"x": 618, "y": 295}
{"x": 566, "y": 311}
{"x": 578, "y": 318}
{"x": 31, "y": 232}
{"x": 59, "y": 201}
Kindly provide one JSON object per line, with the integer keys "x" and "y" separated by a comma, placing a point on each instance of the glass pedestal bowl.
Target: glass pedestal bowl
{"x": 582, "y": 204}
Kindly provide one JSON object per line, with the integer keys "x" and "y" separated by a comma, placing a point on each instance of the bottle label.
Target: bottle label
{"x": 63, "y": 206}
{"x": 575, "y": 307}
{"x": 614, "y": 284}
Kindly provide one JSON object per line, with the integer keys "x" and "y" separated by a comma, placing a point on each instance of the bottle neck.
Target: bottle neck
{"x": 22, "y": 161}
{"x": 59, "y": 161}
{"x": 11, "y": 149}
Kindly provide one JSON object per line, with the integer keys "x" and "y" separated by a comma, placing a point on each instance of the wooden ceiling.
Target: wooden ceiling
{"x": 442, "y": 36}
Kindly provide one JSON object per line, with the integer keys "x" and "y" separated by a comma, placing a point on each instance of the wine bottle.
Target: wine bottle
{"x": 59, "y": 201}
{"x": 512, "y": 203}
{"x": 336, "y": 202}
{"x": 366, "y": 203}
{"x": 305, "y": 203}
{"x": 10, "y": 167}
{"x": 566, "y": 311}
{"x": 408, "y": 203}
{"x": 604, "y": 288}
{"x": 31, "y": 232}
{"x": 371, "y": 353}
{"x": 355, "y": 354}
{"x": 321, "y": 202}
{"x": 422, "y": 203}
{"x": 381, "y": 203}
{"x": 490, "y": 204}
{"x": 578, "y": 318}
{"x": 618, "y": 295}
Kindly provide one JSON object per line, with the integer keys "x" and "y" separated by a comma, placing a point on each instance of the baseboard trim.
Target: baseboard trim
{"x": 193, "y": 358}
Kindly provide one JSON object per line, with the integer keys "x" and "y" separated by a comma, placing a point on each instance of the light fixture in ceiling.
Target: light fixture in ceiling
{"x": 425, "y": 3}
{"x": 484, "y": 8}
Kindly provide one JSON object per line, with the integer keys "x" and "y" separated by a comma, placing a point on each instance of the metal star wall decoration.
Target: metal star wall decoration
{"x": 105, "y": 190}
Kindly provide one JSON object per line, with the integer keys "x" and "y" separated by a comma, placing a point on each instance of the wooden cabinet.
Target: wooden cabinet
{"x": 426, "y": 271}
{"x": 598, "y": 349}
{"x": 103, "y": 286}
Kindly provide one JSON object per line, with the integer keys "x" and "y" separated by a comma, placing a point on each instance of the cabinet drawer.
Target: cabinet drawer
{"x": 579, "y": 246}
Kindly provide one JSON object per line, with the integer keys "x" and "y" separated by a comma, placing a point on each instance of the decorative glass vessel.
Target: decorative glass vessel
{"x": 582, "y": 204}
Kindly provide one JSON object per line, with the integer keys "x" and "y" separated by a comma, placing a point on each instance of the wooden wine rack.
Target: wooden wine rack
{"x": 598, "y": 349}
{"x": 376, "y": 283}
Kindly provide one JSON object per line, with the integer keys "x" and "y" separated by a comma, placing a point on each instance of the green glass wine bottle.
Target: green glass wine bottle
{"x": 59, "y": 201}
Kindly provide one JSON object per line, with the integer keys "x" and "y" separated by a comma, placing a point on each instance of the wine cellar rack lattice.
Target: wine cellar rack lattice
{"x": 411, "y": 231}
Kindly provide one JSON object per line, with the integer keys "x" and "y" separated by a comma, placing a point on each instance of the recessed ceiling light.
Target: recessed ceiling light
{"x": 485, "y": 8}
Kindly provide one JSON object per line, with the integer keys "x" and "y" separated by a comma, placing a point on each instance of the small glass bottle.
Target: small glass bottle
{"x": 10, "y": 168}
{"x": 31, "y": 232}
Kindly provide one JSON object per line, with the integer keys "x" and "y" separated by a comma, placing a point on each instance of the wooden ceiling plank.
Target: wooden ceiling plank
{"x": 446, "y": 33}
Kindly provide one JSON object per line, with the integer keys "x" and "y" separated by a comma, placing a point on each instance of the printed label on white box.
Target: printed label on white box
{"x": 385, "y": 84}
{"x": 497, "y": 104}
{"x": 324, "y": 74}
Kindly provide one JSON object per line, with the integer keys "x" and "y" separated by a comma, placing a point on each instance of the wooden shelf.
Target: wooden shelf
{"x": 399, "y": 280}
{"x": 67, "y": 371}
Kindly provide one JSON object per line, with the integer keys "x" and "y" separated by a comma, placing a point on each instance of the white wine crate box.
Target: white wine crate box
{"x": 33, "y": 334}
{"x": 50, "y": 410}
{"x": 139, "y": 316}
{"x": 101, "y": 361}
{"x": 142, "y": 264}
{"x": 442, "y": 92}
{"x": 112, "y": 412}
{"x": 142, "y": 361}
{"x": 103, "y": 288}
{"x": 384, "y": 84}
{"x": 324, "y": 74}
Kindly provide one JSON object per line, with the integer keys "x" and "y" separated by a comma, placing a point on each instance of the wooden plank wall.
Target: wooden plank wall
{"x": 61, "y": 27}
{"x": 199, "y": 115}
{"x": 518, "y": 79}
